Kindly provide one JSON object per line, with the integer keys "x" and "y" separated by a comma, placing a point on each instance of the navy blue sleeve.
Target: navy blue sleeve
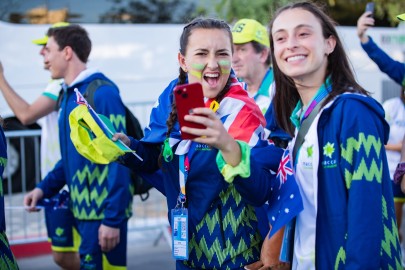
{"x": 119, "y": 196}
{"x": 264, "y": 162}
{"x": 394, "y": 69}
{"x": 53, "y": 181}
{"x": 272, "y": 180}
{"x": 368, "y": 183}
{"x": 149, "y": 152}
{"x": 273, "y": 127}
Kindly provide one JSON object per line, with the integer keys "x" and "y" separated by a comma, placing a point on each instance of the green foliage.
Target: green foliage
{"x": 151, "y": 11}
{"x": 260, "y": 10}
{"x": 345, "y": 12}
{"x": 390, "y": 9}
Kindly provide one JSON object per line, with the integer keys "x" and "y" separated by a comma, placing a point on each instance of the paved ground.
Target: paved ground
{"x": 143, "y": 253}
{"x": 148, "y": 247}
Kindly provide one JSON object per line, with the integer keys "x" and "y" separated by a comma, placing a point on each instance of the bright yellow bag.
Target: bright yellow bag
{"x": 92, "y": 140}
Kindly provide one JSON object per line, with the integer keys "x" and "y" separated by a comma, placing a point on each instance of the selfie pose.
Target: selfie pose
{"x": 348, "y": 221}
{"x": 214, "y": 181}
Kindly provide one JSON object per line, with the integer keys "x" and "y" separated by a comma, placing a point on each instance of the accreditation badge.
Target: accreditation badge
{"x": 180, "y": 233}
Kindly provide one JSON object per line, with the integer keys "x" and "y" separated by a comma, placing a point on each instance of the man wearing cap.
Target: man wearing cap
{"x": 60, "y": 224}
{"x": 252, "y": 64}
{"x": 100, "y": 195}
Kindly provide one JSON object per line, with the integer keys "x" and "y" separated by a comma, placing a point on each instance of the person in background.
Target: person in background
{"x": 394, "y": 69}
{"x": 7, "y": 259}
{"x": 220, "y": 176}
{"x": 395, "y": 115}
{"x": 65, "y": 242}
{"x": 341, "y": 168}
{"x": 394, "y": 108}
{"x": 252, "y": 64}
{"x": 400, "y": 170}
{"x": 100, "y": 195}
{"x": 251, "y": 60}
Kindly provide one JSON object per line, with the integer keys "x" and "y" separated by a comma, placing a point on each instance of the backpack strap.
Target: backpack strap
{"x": 88, "y": 93}
{"x": 92, "y": 88}
{"x": 304, "y": 130}
{"x": 59, "y": 99}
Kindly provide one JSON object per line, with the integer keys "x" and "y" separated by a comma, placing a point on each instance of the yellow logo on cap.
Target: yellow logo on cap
{"x": 247, "y": 30}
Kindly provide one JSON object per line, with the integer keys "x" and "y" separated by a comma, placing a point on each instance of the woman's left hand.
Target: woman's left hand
{"x": 214, "y": 134}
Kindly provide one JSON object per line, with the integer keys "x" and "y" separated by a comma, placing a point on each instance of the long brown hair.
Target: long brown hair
{"x": 339, "y": 68}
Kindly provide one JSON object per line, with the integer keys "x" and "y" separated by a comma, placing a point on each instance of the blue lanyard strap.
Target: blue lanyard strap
{"x": 323, "y": 92}
{"x": 183, "y": 174}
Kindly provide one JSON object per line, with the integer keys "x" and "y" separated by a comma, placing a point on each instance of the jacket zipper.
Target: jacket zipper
{"x": 221, "y": 225}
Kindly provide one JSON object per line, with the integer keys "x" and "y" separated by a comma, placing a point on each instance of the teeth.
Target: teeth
{"x": 295, "y": 58}
{"x": 211, "y": 75}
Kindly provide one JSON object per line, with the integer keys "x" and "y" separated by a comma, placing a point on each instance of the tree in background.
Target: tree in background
{"x": 260, "y": 10}
{"x": 150, "y": 11}
{"x": 345, "y": 12}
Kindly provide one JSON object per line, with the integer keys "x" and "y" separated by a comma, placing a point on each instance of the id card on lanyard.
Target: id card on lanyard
{"x": 180, "y": 215}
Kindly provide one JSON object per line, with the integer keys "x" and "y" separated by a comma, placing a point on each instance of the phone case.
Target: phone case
{"x": 187, "y": 97}
{"x": 370, "y": 7}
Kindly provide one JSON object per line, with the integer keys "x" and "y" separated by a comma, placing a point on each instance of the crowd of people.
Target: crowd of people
{"x": 277, "y": 175}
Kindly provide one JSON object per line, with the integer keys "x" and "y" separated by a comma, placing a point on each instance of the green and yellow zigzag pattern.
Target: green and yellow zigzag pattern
{"x": 90, "y": 189}
{"x": 118, "y": 121}
{"x": 7, "y": 260}
{"x": 374, "y": 172}
{"x": 236, "y": 251}
{"x": 363, "y": 172}
{"x": 388, "y": 244}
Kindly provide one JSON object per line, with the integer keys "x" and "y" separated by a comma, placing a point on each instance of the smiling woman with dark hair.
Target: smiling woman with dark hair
{"x": 348, "y": 221}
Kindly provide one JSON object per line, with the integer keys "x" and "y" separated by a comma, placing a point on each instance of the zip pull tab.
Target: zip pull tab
{"x": 214, "y": 106}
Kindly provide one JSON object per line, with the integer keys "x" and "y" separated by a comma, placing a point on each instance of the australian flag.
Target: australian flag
{"x": 82, "y": 101}
{"x": 285, "y": 202}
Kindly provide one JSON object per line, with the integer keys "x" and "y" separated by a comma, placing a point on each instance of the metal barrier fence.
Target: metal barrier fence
{"x": 24, "y": 227}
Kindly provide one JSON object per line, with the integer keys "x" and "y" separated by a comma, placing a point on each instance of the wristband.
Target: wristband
{"x": 242, "y": 169}
{"x": 399, "y": 172}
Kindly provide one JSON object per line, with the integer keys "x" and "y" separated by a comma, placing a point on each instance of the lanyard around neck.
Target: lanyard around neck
{"x": 307, "y": 120}
{"x": 184, "y": 167}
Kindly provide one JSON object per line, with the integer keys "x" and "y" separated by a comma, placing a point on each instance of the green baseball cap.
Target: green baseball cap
{"x": 42, "y": 41}
{"x": 401, "y": 17}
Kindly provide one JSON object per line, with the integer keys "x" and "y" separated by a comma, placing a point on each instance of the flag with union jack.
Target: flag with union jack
{"x": 284, "y": 169}
{"x": 238, "y": 112}
{"x": 285, "y": 202}
{"x": 80, "y": 99}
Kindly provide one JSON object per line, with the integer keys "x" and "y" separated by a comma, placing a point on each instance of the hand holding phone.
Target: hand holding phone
{"x": 370, "y": 8}
{"x": 188, "y": 97}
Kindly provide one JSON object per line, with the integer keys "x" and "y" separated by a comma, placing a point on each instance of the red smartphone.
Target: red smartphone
{"x": 187, "y": 97}
{"x": 370, "y": 7}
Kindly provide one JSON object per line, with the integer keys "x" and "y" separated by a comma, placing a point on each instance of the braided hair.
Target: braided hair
{"x": 198, "y": 23}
